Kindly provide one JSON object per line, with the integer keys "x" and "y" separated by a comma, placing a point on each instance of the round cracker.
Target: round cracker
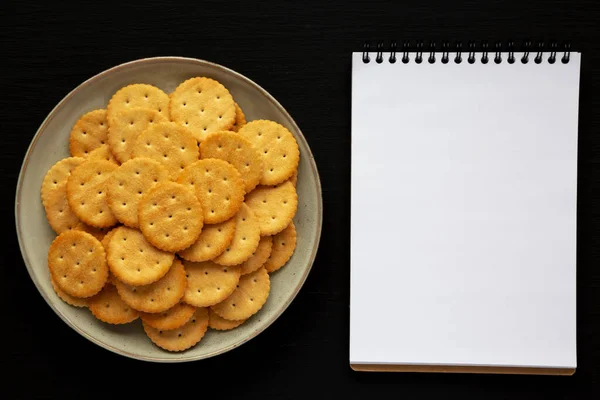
{"x": 129, "y": 183}
{"x": 133, "y": 260}
{"x": 259, "y": 257}
{"x": 247, "y": 299}
{"x": 108, "y": 307}
{"x": 203, "y": 106}
{"x": 58, "y": 174}
{"x": 284, "y": 244}
{"x": 58, "y": 213}
{"x": 274, "y": 206}
{"x": 218, "y": 186}
{"x": 168, "y": 143}
{"x": 173, "y": 318}
{"x": 170, "y": 216}
{"x": 158, "y": 296}
{"x": 77, "y": 263}
{"x": 105, "y": 241}
{"x": 86, "y": 192}
{"x": 67, "y": 298}
{"x": 98, "y": 233}
{"x": 221, "y": 324}
{"x": 88, "y": 133}
{"x": 240, "y": 118}
{"x": 181, "y": 338}
{"x": 126, "y": 126}
{"x": 209, "y": 283}
{"x": 138, "y": 95}
{"x": 102, "y": 153}
{"x": 237, "y": 151}
{"x": 213, "y": 240}
{"x": 245, "y": 240}
{"x": 278, "y": 149}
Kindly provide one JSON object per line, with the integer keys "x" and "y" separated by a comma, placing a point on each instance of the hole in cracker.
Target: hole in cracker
{"x": 131, "y": 123}
{"x": 264, "y": 200}
{"x": 100, "y": 192}
{"x": 148, "y": 144}
{"x": 94, "y": 270}
{"x": 194, "y": 320}
{"x": 84, "y": 132}
{"x": 122, "y": 140}
{"x": 273, "y": 217}
{"x": 86, "y": 152}
{"x": 212, "y": 211}
{"x": 64, "y": 276}
{"x": 139, "y": 270}
{"x": 107, "y": 305}
{"x": 247, "y": 165}
{"x": 208, "y": 245}
{"x": 237, "y": 286}
{"x": 120, "y": 183}
{"x": 134, "y": 290}
{"x": 271, "y": 170}
{"x": 170, "y": 216}
{"x": 204, "y": 128}
{"x": 218, "y": 288}
{"x": 99, "y": 173}
{"x": 244, "y": 219}
{"x": 160, "y": 110}
{"x": 146, "y": 95}
{"x": 151, "y": 223}
{"x": 166, "y": 235}
{"x": 251, "y": 299}
{"x": 198, "y": 290}
{"x": 205, "y": 272}
{"x": 259, "y": 133}
{"x": 179, "y": 335}
{"x": 151, "y": 121}
{"x": 82, "y": 203}
{"x": 152, "y": 300}
{"x": 185, "y": 228}
{"x": 101, "y": 211}
{"x": 225, "y": 178}
{"x": 164, "y": 155}
{"x": 160, "y": 332}
{"x": 139, "y": 192}
{"x": 209, "y": 190}
{"x": 173, "y": 197}
{"x": 189, "y": 208}
{"x": 219, "y": 229}
{"x": 233, "y": 305}
{"x": 285, "y": 202}
{"x": 254, "y": 280}
{"x": 266, "y": 151}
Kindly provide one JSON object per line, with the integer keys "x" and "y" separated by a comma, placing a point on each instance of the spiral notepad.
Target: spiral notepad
{"x": 463, "y": 208}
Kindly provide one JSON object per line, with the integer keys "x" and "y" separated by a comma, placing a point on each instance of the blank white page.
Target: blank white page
{"x": 463, "y": 213}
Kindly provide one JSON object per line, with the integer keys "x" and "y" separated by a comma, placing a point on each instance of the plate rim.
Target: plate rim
{"x": 48, "y": 119}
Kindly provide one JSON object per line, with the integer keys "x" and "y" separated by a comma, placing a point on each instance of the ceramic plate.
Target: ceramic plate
{"x": 50, "y": 144}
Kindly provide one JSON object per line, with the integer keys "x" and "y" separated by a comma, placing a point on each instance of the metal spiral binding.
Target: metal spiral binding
{"x": 471, "y": 59}
{"x": 419, "y": 56}
{"x": 418, "y": 49}
{"x": 498, "y": 57}
{"x": 445, "y": 55}
{"x": 458, "y": 58}
{"x": 484, "y": 56}
{"x": 379, "y": 58}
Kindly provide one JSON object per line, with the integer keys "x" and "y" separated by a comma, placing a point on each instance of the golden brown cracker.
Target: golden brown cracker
{"x": 58, "y": 213}
{"x": 173, "y": 318}
{"x": 108, "y": 307}
{"x": 168, "y": 143}
{"x": 102, "y": 153}
{"x": 218, "y": 186}
{"x": 129, "y": 183}
{"x": 58, "y": 174}
{"x": 250, "y": 295}
{"x": 284, "y": 244}
{"x": 86, "y": 192}
{"x": 240, "y": 118}
{"x": 158, "y": 296}
{"x": 98, "y": 233}
{"x": 203, "y": 106}
{"x": 237, "y": 151}
{"x": 88, "y": 133}
{"x": 213, "y": 240}
{"x": 67, "y": 298}
{"x": 77, "y": 263}
{"x": 245, "y": 240}
{"x": 133, "y": 260}
{"x": 278, "y": 148}
{"x": 221, "y": 324}
{"x": 259, "y": 257}
{"x": 170, "y": 216}
{"x": 126, "y": 126}
{"x": 209, "y": 283}
{"x": 181, "y": 338}
{"x": 274, "y": 206}
{"x": 138, "y": 95}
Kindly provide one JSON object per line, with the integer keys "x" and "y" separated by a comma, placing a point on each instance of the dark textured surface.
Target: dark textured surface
{"x": 300, "y": 53}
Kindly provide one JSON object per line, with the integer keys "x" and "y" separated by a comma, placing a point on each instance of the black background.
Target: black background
{"x": 300, "y": 52}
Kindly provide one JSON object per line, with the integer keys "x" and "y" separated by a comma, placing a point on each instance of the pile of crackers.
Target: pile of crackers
{"x": 173, "y": 209}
